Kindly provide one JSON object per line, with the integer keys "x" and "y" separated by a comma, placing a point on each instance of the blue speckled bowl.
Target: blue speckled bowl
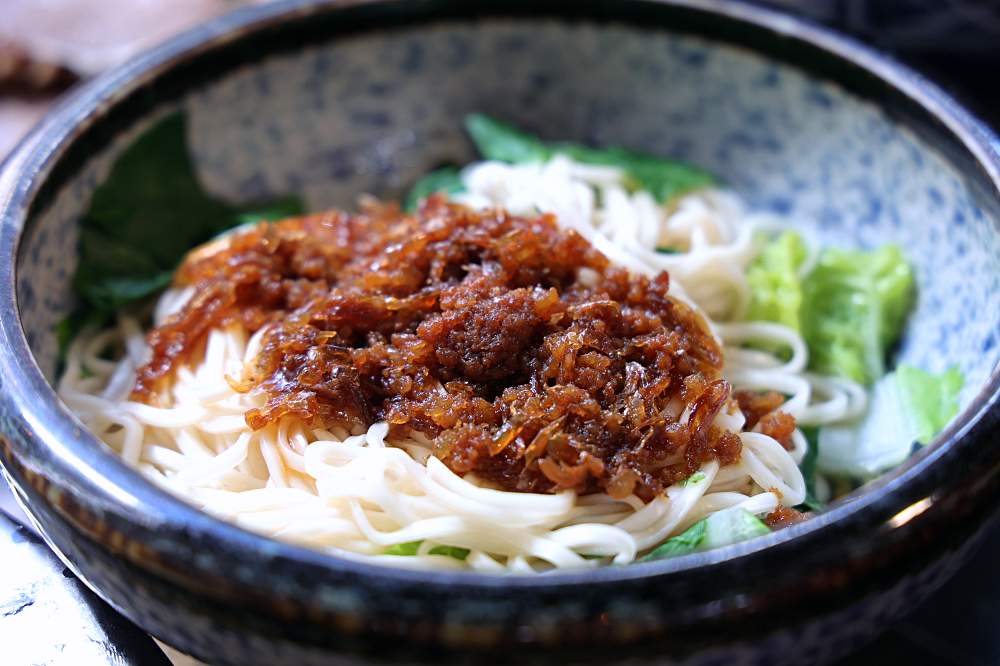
{"x": 329, "y": 100}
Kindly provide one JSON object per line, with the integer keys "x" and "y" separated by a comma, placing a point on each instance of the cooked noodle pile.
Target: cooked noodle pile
{"x": 358, "y": 492}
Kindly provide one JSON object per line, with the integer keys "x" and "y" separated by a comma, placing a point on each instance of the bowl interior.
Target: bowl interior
{"x": 373, "y": 111}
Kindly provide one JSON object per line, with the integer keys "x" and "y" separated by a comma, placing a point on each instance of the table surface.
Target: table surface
{"x": 957, "y": 44}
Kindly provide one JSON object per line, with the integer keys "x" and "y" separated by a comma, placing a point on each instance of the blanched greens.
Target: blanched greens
{"x": 663, "y": 178}
{"x": 854, "y": 306}
{"x": 719, "y": 529}
{"x": 850, "y": 308}
{"x": 907, "y": 406}
{"x": 445, "y": 180}
{"x": 688, "y": 541}
{"x": 931, "y": 401}
{"x": 409, "y": 549}
{"x": 146, "y": 215}
{"x": 775, "y": 286}
{"x": 808, "y": 469}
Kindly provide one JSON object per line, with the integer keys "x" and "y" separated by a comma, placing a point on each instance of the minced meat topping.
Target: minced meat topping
{"x": 525, "y": 356}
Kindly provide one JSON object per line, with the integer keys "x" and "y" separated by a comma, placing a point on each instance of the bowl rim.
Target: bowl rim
{"x": 82, "y": 462}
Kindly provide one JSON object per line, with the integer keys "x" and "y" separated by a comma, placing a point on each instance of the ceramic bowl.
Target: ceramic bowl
{"x": 331, "y": 99}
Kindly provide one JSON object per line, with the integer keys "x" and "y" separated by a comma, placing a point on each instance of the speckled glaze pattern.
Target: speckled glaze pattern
{"x": 372, "y": 113}
{"x": 329, "y": 100}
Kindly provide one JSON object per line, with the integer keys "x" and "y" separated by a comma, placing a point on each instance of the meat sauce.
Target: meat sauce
{"x": 525, "y": 356}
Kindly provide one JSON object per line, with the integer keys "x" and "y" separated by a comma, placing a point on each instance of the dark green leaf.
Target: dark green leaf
{"x": 808, "y": 468}
{"x": 810, "y": 503}
{"x": 146, "y": 215}
{"x": 663, "y": 178}
{"x": 686, "y": 542}
{"x": 808, "y": 464}
{"x": 669, "y": 250}
{"x": 445, "y": 179}
{"x": 152, "y": 201}
{"x": 108, "y": 293}
{"x": 499, "y": 141}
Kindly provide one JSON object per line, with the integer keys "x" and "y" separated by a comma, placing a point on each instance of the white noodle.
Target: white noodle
{"x": 355, "y": 494}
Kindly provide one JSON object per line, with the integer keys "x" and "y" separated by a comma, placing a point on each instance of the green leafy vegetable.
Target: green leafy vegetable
{"x": 810, "y": 503}
{"x": 409, "y": 549}
{"x": 697, "y": 477}
{"x": 688, "y": 541}
{"x": 665, "y": 249}
{"x": 502, "y": 142}
{"x": 850, "y": 308}
{"x": 147, "y": 214}
{"x": 906, "y": 406}
{"x": 719, "y": 529}
{"x": 445, "y": 179}
{"x": 663, "y": 178}
{"x": 930, "y": 401}
{"x": 450, "y": 551}
{"x": 808, "y": 468}
{"x": 730, "y": 526}
{"x": 773, "y": 278}
{"x": 853, "y": 307}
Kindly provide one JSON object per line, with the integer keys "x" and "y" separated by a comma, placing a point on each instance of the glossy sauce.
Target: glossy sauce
{"x": 514, "y": 345}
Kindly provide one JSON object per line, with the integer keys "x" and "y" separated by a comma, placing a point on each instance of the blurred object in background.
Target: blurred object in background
{"x": 951, "y": 26}
{"x": 47, "y": 45}
{"x": 22, "y": 73}
{"x": 954, "y": 42}
{"x": 88, "y": 36}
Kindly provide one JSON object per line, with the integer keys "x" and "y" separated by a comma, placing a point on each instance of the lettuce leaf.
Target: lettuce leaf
{"x": 854, "y": 304}
{"x": 730, "y": 526}
{"x": 773, "y": 278}
{"x": 445, "y": 179}
{"x": 908, "y": 406}
{"x": 688, "y": 541}
{"x": 663, "y": 178}
{"x": 719, "y": 529}
{"x": 850, "y": 308}
{"x": 930, "y": 401}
